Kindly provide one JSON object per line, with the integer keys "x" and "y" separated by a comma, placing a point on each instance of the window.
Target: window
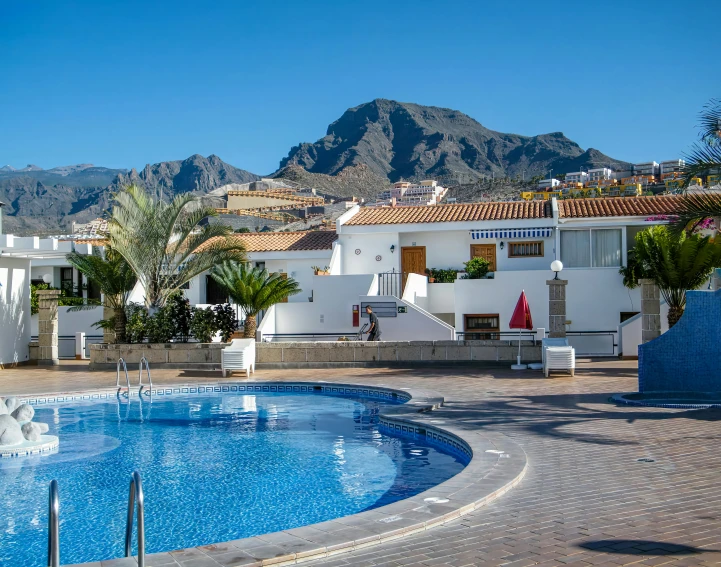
{"x": 93, "y": 290}
{"x": 485, "y": 323}
{"x": 597, "y": 248}
{"x": 576, "y": 248}
{"x": 606, "y": 248}
{"x": 525, "y": 249}
{"x": 66, "y": 280}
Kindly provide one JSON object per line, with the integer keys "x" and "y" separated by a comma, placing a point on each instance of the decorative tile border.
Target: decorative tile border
{"x": 46, "y": 443}
{"x": 496, "y": 464}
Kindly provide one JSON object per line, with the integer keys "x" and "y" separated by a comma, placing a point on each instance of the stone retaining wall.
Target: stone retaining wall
{"x": 309, "y": 354}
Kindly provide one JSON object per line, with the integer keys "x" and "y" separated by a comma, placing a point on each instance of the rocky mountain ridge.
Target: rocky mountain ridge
{"x": 409, "y": 141}
{"x": 366, "y": 149}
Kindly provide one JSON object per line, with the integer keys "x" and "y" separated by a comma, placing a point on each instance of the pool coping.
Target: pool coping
{"x": 622, "y": 399}
{"x": 496, "y": 465}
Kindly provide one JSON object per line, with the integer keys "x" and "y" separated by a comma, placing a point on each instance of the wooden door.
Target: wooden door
{"x": 487, "y": 251}
{"x": 413, "y": 261}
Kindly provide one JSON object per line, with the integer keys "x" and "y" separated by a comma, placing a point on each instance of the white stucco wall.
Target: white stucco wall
{"x": 630, "y": 335}
{"x": 370, "y": 246}
{"x": 414, "y": 325}
{"x": 416, "y": 291}
{"x": 451, "y": 248}
{"x": 595, "y": 299}
{"x": 14, "y": 310}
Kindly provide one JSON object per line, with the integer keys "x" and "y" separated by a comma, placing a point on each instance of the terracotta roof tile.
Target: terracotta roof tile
{"x": 286, "y": 241}
{"x": 620, "y": 206}
{"x": 507, "y": 210}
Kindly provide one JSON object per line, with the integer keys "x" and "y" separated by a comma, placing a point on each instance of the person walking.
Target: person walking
{"x": 374, "y": 332}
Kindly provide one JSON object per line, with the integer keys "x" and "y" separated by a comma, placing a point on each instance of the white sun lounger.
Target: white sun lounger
{"x": 559, "y": 358}
{"x": 239, "y": 355}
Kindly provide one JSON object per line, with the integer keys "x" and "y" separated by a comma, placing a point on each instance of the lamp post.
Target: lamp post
{"x": 556, "y": 302}
{"x": 556, "y": 266}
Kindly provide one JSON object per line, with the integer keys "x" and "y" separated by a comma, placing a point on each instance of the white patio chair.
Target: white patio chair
{"x": 549, "y": 342}
{"x": 239, "y": 355}
{"x": 559, "y": 358}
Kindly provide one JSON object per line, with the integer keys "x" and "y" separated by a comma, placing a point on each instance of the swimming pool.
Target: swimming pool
{"x": 214, "y": 467}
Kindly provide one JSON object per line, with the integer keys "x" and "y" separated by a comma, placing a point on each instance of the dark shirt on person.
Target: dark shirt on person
{"x": 375, "y": 332}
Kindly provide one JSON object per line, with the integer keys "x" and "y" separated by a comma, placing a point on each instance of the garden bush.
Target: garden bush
{"x": 476, "y": 268}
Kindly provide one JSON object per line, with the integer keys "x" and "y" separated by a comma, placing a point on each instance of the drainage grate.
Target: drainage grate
{"x": 646, "y": 460}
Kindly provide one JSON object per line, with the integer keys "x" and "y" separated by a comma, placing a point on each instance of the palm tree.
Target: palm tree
{"x": 115, "y": 279}
{"x": 706, "y": 153}
{"x": 705, "y": 156}
{"x": 675, "y": 261}
{"x": 253, "y": 289}
{"x": 164, "y": 243}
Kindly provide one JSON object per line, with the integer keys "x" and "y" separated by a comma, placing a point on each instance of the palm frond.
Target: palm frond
{"x": 695, "y": 208}
{"x": 164, "y": 242}
{"x": 253, "y": 289}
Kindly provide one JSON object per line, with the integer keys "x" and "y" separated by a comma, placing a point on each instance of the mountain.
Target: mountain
{"x": 353, "y": 181}
{"x": 196, "y": 174}
{"x": 408, "y": 141}
{"x": 42, "y": 202}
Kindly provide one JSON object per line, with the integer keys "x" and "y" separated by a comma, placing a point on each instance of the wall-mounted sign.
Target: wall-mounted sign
{"x": 379, "y": 258}
{"x": 402, "y": 309}
{"x": 357, "y": 251}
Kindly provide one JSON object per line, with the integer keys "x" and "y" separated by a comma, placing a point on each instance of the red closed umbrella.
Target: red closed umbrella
{"x": 520, "y": 320}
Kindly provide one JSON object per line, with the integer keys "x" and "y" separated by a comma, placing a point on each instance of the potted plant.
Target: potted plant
{"x": 429, "y": 275}
{"x": 318, "y": 271}
{"x": 476, "y": 268}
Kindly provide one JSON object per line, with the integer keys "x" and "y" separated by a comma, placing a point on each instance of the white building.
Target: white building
{"x": 600, "y": 174}
{"x": 646, "y": 168}
{"x": 548, "y": 183}
{"x": 577, "y": 177}
{"x": 427, "y": 192}
{"x": 382, "y": 254}
{"x": 672, "y": 166}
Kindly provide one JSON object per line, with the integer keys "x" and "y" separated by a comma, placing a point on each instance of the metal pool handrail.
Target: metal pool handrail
{"x": 144, "y": 361}
{"x": 53, "y": 526}
{"x": 127, "y": 379}
{"x": 136, "y": 495}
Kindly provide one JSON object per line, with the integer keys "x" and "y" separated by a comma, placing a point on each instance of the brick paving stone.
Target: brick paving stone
{"x": 585, "y": 500}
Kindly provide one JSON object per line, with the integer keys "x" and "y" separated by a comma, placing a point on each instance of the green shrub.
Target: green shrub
{"x": 476, "y": 268}
{"x": 443, "y": 276}
{"x": 225, "y": 321}
{"x": 136, "y": 326}
{"x": 160, "y": 327}
{"x": 178, "y": 308}
{"x": 202, "y": 324}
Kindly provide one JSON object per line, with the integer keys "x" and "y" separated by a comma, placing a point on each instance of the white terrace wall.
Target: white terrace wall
{"x": 415, "y": 324}
{"x": 14, "y": 310}
{"x": 595, "y": 298}
{"x": 630, "y": 332}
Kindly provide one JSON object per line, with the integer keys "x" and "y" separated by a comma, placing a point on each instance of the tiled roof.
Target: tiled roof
{"x": 286, "y": 241}
{"x": 620, "y": 206}
{"x": 507, "y": 210}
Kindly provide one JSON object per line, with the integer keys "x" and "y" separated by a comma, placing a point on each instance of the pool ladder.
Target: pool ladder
{"x": 136, "y": 506}
{"x": 143, "y": 363}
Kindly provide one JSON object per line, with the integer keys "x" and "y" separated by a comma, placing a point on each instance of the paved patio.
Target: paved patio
{"x": 586, "y": 498}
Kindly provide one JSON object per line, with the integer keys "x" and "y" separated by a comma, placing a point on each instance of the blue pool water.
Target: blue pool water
{"x": 214, "y": 468}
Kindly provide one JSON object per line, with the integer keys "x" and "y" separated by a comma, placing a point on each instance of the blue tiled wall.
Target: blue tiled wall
{"x": 688, "y": 356}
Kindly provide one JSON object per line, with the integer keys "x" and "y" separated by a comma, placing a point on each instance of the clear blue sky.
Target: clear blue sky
{"x": 122, "y": 84}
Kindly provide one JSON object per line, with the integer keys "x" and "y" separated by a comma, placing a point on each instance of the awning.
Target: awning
{"x": 509, "y": 233}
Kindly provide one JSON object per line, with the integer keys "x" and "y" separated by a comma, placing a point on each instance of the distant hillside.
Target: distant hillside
{"x": 409, "y": 141}
{"x": 196, "y": 174}
{"x": 359, "y": 181}
{"x": 45, "y": 202}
